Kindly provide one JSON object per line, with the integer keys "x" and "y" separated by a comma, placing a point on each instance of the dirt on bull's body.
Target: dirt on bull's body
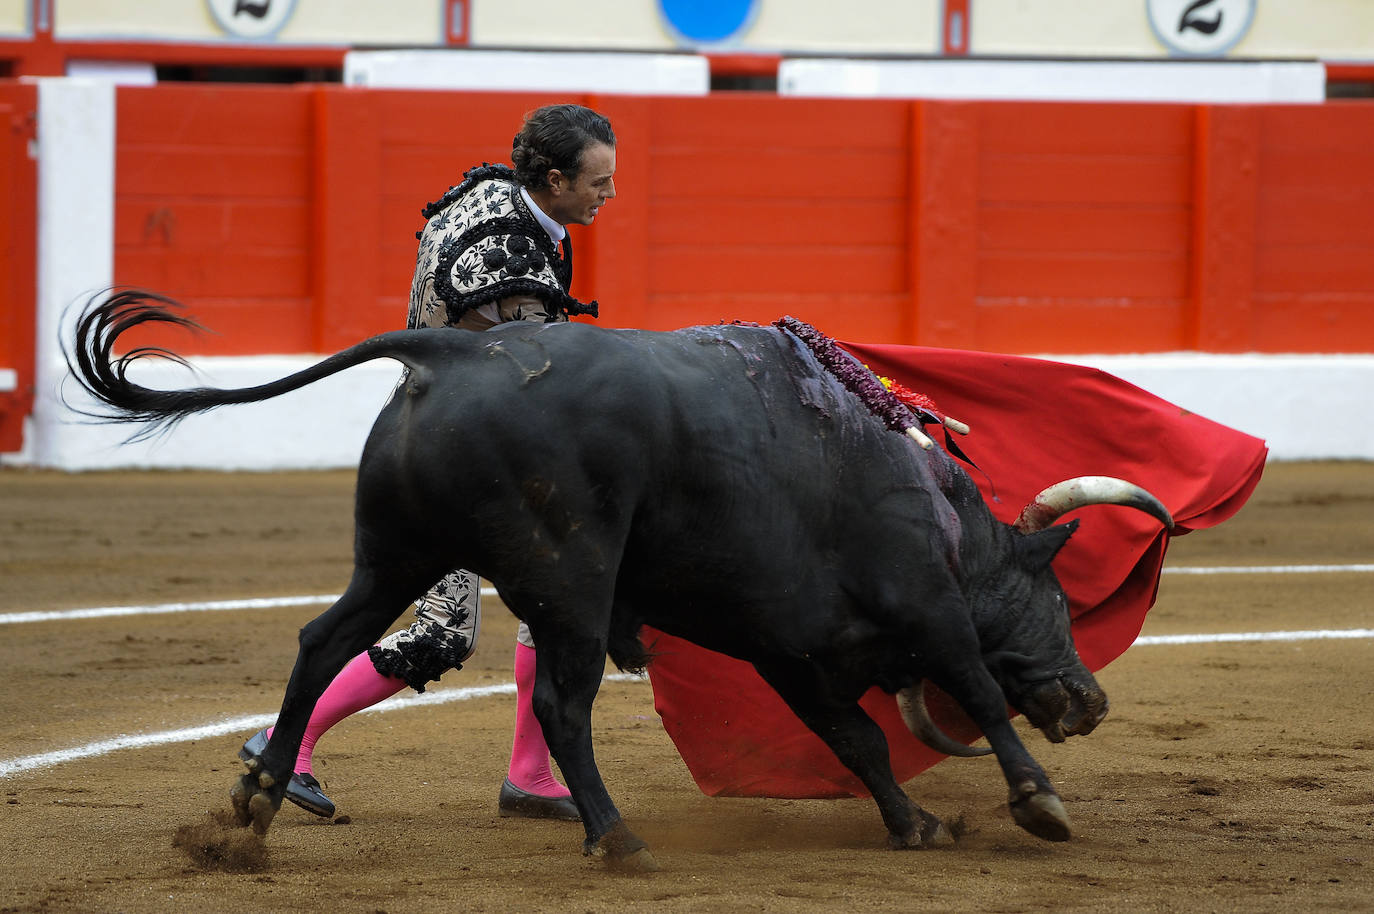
{"x": 1230, "y": 776}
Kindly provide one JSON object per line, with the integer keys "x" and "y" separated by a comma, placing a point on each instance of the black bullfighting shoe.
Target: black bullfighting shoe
{"x": 516, "y": 802}
{"x": 302, "y": 789}
{"x": 305, "y": 792}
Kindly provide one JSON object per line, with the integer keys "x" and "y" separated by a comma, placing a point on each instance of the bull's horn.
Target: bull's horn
{"x": 1063, "y": 497}
{"x": 912, "y": 703}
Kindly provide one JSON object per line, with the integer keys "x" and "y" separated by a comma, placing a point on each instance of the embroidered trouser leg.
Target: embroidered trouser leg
{"x": 444, "y": 634}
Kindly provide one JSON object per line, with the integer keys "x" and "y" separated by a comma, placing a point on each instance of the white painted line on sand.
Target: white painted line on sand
{"x": 1270, "y": 569}
{"x": 1228, "y": 637}
{"x": 246, "y": 726}
{"x": 101, "y": 612}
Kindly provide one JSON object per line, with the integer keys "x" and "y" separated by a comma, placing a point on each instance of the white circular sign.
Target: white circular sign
{"x": 251, "y": 18}
{"x": 1200, "y": 28}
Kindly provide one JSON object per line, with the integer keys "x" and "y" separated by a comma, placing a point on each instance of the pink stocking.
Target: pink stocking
{"x": 357, "y": 686}
{"x": 529, "y": 757}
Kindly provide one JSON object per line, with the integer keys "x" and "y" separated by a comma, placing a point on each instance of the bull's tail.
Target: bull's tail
{"x": 105, "y": 376}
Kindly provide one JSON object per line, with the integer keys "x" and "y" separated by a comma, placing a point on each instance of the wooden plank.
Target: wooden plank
{"x": 612, "y": 261}
{"x": 206, "y": 114}
{"x": 1086, "y": 275}
{"x": 756, "y": 270}
{"x": 942, "y": 234}
{"x": 718, "y": 174}
{"x": 757, "y": 124}
{"x": 1040, "y": 326}
{"x": 208, "y": 173}
{"x": 345, "y": 198}
{"x": 1226, "y": 178}
{"x": 191, "y": 224}
{"x": 239, "y": 326}
{"x": 1342, "y": 128}
{"x": 1101, "y": 180}
{"x": 1085, "y": 129}
{"x": 1314, "y": 323}
{"x": 229, "y": 271}
{"x": 1078, "y": 227}
{"x": 18, "y": 257}
{"x": 802, "y": 219}
{"x": 1315, "y": 269}
{"x": 860, "y": 318}
{"x": 1307, "y": 216}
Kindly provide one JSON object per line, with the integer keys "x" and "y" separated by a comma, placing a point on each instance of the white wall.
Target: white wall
{"x": 1212, "y": 82}
{"x": 1308, "y": 407}
{"x": 530, "y": 71}
{"x": 1305, "y": 407}
{"x": 76, "y": 131}
{"x": 320, "y": 427}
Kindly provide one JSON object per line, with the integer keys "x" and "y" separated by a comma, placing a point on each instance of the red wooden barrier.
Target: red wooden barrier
{"x": 18, "y": 228}
{"x": 286, "y": 216}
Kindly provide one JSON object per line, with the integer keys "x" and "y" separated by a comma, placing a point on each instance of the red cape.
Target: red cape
{"x": 1034, "y": 422}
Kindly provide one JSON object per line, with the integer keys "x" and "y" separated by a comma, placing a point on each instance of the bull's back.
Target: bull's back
{"x": 688, "y": 455}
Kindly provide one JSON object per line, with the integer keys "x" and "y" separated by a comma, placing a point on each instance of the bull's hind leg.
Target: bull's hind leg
{"x": 571, "y": 659}
{"x": 357, "y": 619}
{"x": 860, "y": 745}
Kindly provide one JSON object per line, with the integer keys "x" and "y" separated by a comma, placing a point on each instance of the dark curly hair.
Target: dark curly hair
{"x": 554, "y": 137}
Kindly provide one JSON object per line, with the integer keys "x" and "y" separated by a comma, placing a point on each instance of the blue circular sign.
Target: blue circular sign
{"x": 707, "y": 21}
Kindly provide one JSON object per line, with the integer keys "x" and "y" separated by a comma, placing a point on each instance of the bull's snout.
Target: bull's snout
{"x": 1062, "y": 709}
{"x": 1084, "y": 715}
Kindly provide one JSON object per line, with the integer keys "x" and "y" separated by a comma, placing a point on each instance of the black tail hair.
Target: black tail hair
{"x": 105, "y": 376}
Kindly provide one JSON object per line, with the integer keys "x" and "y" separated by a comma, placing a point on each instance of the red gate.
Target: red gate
{"x": 18, "y": 259}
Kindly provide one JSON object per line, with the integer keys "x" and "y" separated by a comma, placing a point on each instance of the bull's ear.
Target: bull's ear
{"x": 1037, "y": 550}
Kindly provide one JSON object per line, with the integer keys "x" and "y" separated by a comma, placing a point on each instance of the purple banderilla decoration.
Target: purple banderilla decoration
{"x": 859, "y": 380}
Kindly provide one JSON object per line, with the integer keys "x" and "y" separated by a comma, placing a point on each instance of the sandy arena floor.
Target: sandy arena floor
{"x": 1229, "y": 776}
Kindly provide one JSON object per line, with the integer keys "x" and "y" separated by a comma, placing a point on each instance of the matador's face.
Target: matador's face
{"x": 578, "y": 200}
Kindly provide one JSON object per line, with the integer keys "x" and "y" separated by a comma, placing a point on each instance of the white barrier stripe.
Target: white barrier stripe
{"x": 1227, "y": 637}
{"x": 1269, "y": 569}
{"x": 103, "y": 612}
{"x": 248, "y": 725}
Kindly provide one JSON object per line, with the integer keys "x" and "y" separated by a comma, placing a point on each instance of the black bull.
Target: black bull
{"x": 716, "y": 483}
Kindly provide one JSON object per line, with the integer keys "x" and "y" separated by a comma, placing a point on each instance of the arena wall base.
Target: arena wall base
{"x": 1305, "y": 407}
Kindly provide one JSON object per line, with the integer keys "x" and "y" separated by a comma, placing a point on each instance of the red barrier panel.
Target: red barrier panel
{"x": 1314, "y": 230}
{"x": 213, "y": 207}
{"x": 286, "y": 216}
{"x": 18, "y": 257}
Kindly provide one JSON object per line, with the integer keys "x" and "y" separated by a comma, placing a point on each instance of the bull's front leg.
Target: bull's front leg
{"x": 1034, "y": 803}
{"x": 860, "y": 745}
{"x": 568, "y": 671}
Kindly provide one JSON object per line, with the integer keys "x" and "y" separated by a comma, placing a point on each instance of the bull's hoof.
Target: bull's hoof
{"x": 640, "y": 861}
{"x": 254, "y": 801}
{"x": 623, "y": 851}
{"x": 931, "y": 832}
{"x": 1040, "y": 812}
